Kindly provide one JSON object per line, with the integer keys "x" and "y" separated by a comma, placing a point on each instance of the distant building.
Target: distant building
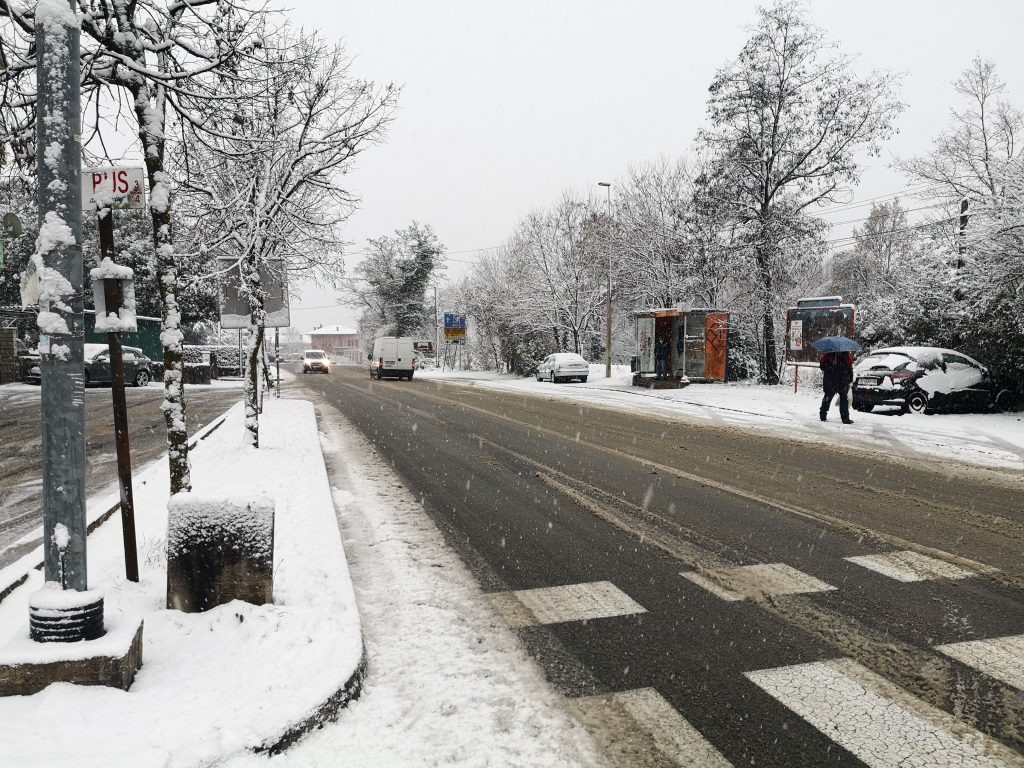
{"x": 337, "y": 341}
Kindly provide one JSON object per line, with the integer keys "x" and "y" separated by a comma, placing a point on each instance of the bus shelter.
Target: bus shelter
{"x": 698, "y": 343}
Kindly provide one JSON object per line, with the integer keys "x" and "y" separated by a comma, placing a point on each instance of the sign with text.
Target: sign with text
{"x": 121, "y": 187}
{"x": 454, "y": 327}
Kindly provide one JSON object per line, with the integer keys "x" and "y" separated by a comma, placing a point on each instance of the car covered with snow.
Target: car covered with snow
{"x": 563, "y": 366}
{"x": 921, "y": 379}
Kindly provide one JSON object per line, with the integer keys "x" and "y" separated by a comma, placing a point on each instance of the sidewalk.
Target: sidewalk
{"x": 237, "y": 678}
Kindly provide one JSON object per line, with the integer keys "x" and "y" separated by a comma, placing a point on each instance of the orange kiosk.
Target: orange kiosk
{"x": 699, "y": 345}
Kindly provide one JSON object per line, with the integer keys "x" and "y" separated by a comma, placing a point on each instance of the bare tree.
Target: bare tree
{"x": 563, "y": 249}
{"x": 652, "y": 208}
{"x": 263, "y": 191}
{"x": 787, "y": 120}
{"x": 391, "y": 281}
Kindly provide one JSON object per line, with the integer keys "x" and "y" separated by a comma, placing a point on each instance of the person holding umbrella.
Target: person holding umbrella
{"x": 836, "y": 362}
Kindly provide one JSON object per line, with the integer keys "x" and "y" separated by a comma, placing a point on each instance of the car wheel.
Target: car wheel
{"x": 1005, "y": 400}
{"x": 142, "y": 379}
{"x": 583, "y": 379}
{"x": 863, "y": 407}
{"x": 917, "y": 402}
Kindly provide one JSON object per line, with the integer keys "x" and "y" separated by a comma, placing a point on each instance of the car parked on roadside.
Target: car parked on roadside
{"x": 315, "y": 361}
{"x": 138, "y": 368}
{"x": 562, "y": 366}
{"x": 922, "y": 380}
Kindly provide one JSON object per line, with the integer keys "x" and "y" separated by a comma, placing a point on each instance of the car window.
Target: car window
{"x": 886, "y": 362}
{"x": 128, "y": 356}
{"x": 949, "y": 359}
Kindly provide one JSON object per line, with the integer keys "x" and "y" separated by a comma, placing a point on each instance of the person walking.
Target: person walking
{"x": 662, "y": 353}
{"x": 838, "y": 370}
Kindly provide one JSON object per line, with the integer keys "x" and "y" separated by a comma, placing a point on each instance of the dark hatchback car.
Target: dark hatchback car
{"x": 922, "y": 379}
{"x": 138, "y": 369}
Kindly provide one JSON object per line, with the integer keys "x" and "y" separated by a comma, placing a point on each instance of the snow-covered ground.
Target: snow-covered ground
{"x": 985, "y": 439}
{"x": 447, "y": 682}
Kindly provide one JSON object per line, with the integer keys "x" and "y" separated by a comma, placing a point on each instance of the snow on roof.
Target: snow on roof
{"x": 333, "y": 330}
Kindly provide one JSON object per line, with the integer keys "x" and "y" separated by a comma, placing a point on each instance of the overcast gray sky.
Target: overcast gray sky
{"x": 506, "y": 104}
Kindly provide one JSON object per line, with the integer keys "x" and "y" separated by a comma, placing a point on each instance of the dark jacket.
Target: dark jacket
{"x": 838, "y": 368}
{"x": 662, "y": 350}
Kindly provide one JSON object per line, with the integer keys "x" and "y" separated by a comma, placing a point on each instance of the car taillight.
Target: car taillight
{"x": 899, "y": 376}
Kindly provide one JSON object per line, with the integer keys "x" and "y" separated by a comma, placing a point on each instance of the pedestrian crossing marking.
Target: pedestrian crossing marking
{"x": 572, "y": 602}
{"x": 878, "y": 722}
{"x": 746, "y": 581}
{"x": 1001, "y": 657}
{"x": 912, "y": 566}
{"x": 624, "y": 723}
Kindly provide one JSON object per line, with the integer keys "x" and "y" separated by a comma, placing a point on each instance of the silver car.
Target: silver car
{"x": 562, "y": 366}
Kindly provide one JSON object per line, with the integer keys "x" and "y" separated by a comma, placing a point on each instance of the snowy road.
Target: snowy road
{"x": 706, "y": 592}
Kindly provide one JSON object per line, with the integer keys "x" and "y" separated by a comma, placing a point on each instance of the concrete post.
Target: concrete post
{"x": 58, "y": 164}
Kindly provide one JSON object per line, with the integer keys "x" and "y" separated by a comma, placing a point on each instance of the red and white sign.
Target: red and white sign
{"x": 121, "y": 187}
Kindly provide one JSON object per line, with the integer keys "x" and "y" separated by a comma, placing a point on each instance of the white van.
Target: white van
{"x": 392, "y": 356}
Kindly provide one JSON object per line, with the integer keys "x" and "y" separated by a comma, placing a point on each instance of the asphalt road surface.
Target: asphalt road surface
{"x": 709, "y": 596}
{"x": 21, "y": 457}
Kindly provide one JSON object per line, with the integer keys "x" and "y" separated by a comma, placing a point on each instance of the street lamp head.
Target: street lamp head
{"x": 604, "y": 184}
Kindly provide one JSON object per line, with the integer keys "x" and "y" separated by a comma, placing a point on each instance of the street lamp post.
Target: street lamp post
{"x": 608, "y": 309}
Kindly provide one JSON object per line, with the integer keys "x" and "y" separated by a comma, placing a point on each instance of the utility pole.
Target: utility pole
{"x": 437, "y": 341}
{"x": 608, "y": 310}
{"x": 58, "y": 169}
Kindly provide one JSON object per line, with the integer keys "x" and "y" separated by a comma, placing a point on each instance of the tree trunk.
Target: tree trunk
{"x": 252, "y": 384}
{"x": 770, "y": 369}
{"x": 171, "y": 337}
{"x": 257, "y": 326}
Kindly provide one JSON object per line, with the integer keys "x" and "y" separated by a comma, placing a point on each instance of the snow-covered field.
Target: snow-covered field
{"x": 985, "y": 439}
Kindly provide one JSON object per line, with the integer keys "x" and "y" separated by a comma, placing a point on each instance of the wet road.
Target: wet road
{"x": 708, "y": 596}
{"x": 20, "y": 446}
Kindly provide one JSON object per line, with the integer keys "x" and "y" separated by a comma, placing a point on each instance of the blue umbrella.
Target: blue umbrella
{"x": 835, "y": 344}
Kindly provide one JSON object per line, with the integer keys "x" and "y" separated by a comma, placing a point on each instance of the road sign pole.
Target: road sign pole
{"x": 277, "y": 358}
{"x": 58, "y": 169}
{"x": 113, "y": 299}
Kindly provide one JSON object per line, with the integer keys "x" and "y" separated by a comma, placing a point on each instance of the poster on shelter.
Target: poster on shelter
{"x": 796, "y": 335}
{"x": 645, "y": 344}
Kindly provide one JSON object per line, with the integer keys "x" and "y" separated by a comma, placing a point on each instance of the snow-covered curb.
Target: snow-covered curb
{"x": 237, "y": 678}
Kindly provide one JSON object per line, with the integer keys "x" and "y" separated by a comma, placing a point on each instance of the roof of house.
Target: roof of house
{"x": 334, "y": 330}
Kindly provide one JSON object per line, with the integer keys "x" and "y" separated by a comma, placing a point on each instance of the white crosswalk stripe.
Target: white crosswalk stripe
{"x": 747, "y": 581}
{"x": 572, "y": 602}
{"x": 621, "y": 722}
{"x": 878, "y": 722}
{"x": 913, "y": 566}
{"x": 1001, "y": 657}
